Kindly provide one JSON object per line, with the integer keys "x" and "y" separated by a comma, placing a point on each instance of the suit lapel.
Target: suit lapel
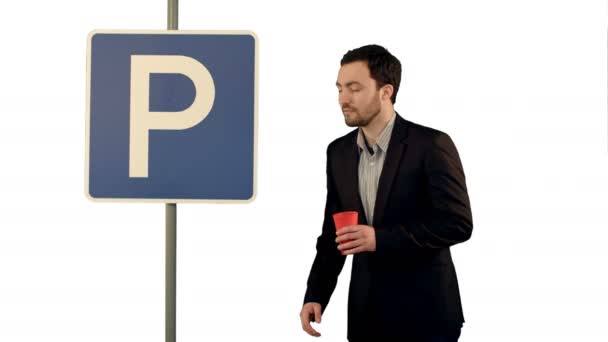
{"x": 350, "y": 179}
{"x": 396, "y": 148}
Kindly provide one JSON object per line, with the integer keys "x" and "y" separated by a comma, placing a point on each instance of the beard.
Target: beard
{"x": 357, "y": 118}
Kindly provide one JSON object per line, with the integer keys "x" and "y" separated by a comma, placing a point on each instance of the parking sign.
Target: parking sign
{"x": 171, "y": 116}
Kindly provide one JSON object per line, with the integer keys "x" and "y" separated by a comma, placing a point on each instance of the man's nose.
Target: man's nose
{"x": 344, "y": 99}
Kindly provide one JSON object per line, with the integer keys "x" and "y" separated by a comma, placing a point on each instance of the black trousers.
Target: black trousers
{"x": 445, "y": 337}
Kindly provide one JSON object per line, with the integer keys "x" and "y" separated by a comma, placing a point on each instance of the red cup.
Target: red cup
{"x": 345, "y": 219}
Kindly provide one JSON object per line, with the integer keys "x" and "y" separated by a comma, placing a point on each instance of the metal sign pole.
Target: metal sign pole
{"x": 172, "y": 15}
{"x": 171, "y": 227}
{"x": 170, "y": 270}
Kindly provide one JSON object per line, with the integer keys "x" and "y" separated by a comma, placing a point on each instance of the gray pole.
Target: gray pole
{"x": 171, "y": 227}
{"x": 170, "y": 270}
{"x": 172, "y": 15}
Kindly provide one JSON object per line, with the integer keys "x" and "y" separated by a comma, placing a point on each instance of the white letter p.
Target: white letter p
{"x": 142, "y": 120}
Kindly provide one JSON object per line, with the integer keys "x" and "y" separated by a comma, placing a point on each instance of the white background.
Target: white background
{"x": 519, "y": 85}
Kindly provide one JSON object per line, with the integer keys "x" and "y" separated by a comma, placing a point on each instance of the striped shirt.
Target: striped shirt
{"x": 370, "y": 167}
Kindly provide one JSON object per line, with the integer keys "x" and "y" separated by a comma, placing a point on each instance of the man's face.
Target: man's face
{"x": 359, "y": 97}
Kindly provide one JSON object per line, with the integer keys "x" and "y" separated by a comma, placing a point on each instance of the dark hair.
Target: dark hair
{"x": 383, "y": 67}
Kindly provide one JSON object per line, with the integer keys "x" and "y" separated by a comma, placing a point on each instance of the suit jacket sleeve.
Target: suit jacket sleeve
{"x": 450, "y": 220}
{"x": 328, "y": 261}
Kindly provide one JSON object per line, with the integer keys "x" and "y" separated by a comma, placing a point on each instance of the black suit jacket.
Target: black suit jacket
{"x": 407, "y": 286}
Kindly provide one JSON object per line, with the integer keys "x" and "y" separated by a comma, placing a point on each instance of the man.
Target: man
{"x": 407, "y": 183}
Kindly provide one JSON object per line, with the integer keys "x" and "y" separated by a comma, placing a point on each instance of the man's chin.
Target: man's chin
{"x": 351, "y": 120}
{"x": 351, "y": 123}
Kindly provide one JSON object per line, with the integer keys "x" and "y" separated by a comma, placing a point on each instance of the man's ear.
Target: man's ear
{"x": 387, "y": 91}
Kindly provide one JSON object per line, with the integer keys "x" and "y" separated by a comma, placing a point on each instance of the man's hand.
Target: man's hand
{"x": 362, "y": 239}
{"x": 311, "y": 312}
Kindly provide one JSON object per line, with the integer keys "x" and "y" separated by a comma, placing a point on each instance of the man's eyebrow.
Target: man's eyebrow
{"x": 348, "y": 84}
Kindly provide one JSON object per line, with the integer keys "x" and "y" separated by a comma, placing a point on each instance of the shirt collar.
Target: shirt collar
{"x": 382, "y": 140}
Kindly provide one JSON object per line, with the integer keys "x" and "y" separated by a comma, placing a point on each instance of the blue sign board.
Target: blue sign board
{"x": 171, "y": 116}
